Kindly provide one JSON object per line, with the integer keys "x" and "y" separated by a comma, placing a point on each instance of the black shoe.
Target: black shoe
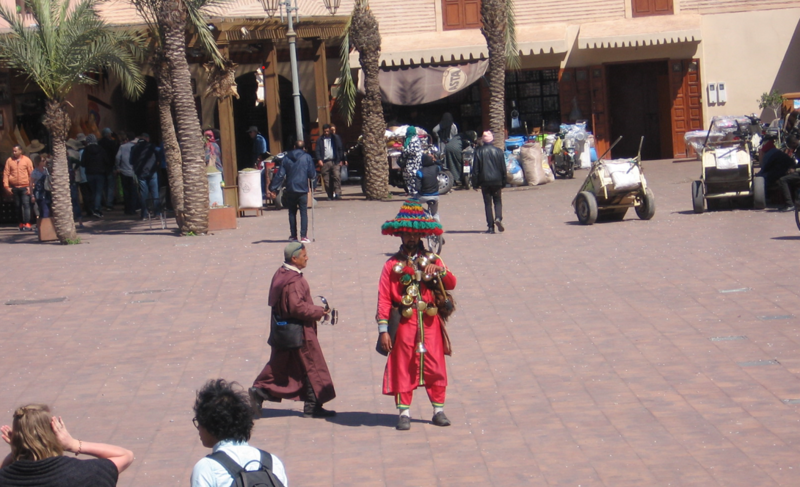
{"x": 491, "y": 230}
{"x": 337, "y": 197}
{"x": 499, "y": 225}
{"x": 319, "y": 412}
{"x": 439, "y": 419}
{"x": 255, "y": 402}
{"x": 97, "y": 214}
{"x": 786, "y": 208}
{"x": 403, "y": 423}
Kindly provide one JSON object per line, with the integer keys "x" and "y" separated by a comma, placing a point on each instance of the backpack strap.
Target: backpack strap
{"x": 227, "y": 462}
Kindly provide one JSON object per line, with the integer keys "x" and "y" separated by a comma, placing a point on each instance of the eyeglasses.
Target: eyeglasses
{"x": 195, "y": 423}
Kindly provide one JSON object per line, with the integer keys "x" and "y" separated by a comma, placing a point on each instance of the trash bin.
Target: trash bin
{"x": 215, "y": 189}
{"x": 250, "y": 189}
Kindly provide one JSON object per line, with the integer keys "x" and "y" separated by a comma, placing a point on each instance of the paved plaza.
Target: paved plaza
{"x": 636, "y": 353}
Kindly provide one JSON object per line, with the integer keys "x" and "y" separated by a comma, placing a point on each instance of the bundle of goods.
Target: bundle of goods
{"x": 622, "y": 174}
{"x": 534, "y": 164}
{"x": 515, "y": 175}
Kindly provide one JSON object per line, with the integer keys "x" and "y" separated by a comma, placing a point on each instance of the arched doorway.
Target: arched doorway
{"x": 246, "y": 113}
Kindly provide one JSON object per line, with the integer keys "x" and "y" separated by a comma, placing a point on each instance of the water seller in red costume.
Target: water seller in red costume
{"x": 413, "y": 288}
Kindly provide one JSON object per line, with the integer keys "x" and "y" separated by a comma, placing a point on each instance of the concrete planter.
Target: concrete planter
{"x": 221, "y": 219}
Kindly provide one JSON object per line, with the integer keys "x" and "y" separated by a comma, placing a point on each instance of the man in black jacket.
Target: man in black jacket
{"x": 95, "y": 163}
{"x": 489, "y": 174}
{"x": 329, "y": 158}
{"x": 297, "y": 170}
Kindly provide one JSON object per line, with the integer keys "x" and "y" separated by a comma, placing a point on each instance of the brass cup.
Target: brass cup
{"x": 412, "y": 291}
{"x": 432, "y": 311}
{"x": 421, "y": 305}
{"x": 398, "y": 268}
{"x": 407, "y": 300}
{"x": 422, "y": 262}
{"x": 427, "y": 277}
{"x": 407, "y": 312}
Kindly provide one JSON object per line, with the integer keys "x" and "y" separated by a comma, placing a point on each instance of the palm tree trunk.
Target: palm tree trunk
{"x": 172, "y": 150}
{"x": 366, "y": 38}
{"x": 57, "y": 122}
{"x": 493, "y": 29}
{"x": 195, "y": 181}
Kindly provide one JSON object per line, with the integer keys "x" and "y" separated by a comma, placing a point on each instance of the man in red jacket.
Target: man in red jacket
{"x": 410, "y": 282}
{"x": 17, "y": 182}
{"x": 299, "y": 374}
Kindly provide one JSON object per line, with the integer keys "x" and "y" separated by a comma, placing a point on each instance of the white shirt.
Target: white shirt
{"x": 211, "y": 473}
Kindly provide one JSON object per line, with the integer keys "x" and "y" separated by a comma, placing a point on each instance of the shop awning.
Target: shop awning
{"x": 418, "y": 85}
{"x": 430, "y": 48}
{"x": 642, "y": 31}
{"x": 542, "y": 39}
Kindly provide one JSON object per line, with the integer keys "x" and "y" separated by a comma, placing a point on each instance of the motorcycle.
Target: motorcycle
{"x": 565, "y": 156}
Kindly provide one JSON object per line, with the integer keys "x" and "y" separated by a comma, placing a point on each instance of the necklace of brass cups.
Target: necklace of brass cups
{"x": 412, "y": 274}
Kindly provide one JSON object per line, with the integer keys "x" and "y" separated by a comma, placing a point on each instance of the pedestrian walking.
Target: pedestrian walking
{"x": 297, "y": 169}
{"x": 17, "y": 183}
{"x": 489, "y": 174}
{"x": 412, "y": 298}
{"x": 329, "y": 159}
{"x": 95, "y": 161}
{"x": 411, "y": 160}
{"x": 296, "y": 369}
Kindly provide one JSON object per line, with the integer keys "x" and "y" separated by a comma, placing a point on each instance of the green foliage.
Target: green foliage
{"x": 73, "y": 241}
{"x": 346, "y": 98}
{"x": 196, "y": 22}
{"x": 512, "y": 50}
{"x": 772, "y": 100}
{"x": 65, "y": 43}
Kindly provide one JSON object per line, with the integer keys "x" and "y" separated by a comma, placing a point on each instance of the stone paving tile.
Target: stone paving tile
{"x": 582, "y": 354}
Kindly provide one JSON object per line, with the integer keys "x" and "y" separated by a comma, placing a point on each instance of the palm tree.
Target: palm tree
{"x": 362, "y": 32}
{"x": 172, "y": 19}
{"x": 499, "y": 29}
{"x": 56, "y": 52}
{"x": 149, "y": 10}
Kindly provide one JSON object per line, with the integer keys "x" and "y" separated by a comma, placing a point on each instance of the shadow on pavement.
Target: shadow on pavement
{"x": 464, "y": 231}
{"x": 361, "y": 418}
{"x": 280, "y": 240}
{"x": 788, "y": 237}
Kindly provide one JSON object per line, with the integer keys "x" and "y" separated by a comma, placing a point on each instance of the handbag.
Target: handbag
{"x": 48, "y": 183}
{"x": 285, "y": 333}
{"x": 343, "y": 174}
{"x": 394, "y": 322}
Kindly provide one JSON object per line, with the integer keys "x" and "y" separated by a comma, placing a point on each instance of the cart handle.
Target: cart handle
{"x": 608, "y": 150}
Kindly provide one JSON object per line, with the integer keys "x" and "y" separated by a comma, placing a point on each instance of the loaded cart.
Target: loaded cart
{"x": 611, "y": 188}
{"x": 726, "y": 173}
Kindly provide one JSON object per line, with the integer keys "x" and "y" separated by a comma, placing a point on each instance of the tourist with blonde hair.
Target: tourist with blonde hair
{"x": 38, "y": 441}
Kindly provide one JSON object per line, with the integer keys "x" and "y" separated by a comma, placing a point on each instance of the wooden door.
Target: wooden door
{"x": 600, "y": 125}
{"x": 687, "y": 102}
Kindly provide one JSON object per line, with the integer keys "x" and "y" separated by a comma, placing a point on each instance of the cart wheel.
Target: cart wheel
{"x": 278, "y": 202}
{"x": 698, "y": 196}
{"x": 586, "y": 208}
{"x": 797, "y": 215}
{"x": 759, "y": 194}
{"x": 445, "y": 182}
{"x": 647, "y": 209}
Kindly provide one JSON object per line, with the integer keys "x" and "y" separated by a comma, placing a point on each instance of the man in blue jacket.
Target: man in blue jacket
{"x": 297, "y": 169}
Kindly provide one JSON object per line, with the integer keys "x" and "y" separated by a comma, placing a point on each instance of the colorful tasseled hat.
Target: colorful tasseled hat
{"x": 412, "y": 219}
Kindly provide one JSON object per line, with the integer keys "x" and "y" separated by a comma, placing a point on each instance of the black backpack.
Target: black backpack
{"x": 263, "y": 477}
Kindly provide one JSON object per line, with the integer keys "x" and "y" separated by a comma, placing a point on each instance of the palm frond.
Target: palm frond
{"x": 346, "y": 99}
{"x": 67, "y": 43}
{"x": 199, "y": 24}
{"x": 512, "y": 50}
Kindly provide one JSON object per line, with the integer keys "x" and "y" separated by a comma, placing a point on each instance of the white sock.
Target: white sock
{"x": 405, "y": 412}
{"x": 437, "y": 409}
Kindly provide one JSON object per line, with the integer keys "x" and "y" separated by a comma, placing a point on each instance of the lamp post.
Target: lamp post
{"x": 274, "y": 6}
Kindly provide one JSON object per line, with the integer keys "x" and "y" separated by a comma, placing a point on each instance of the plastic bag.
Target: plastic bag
{"x": 515, "y": 175}
{"x": 343, "y": 174}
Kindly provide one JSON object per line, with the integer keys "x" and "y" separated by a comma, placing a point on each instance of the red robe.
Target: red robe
{"x": 403, "y": 364}
{"x": 290, "y": 297}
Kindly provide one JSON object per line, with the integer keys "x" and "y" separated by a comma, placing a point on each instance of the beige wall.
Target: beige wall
{"x": 751, "y": 52}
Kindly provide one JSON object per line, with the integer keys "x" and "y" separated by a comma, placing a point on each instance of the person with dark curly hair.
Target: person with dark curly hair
{"x": 224, "y": 422}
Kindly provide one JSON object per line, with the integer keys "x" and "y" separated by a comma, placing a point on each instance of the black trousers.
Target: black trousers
{"x": 295, "y": 201}
{"x": 22, "y": 203}
{"x": 130, "y": 194}
{"x": 493, "y": 195}
{"x": 785, "y": 184}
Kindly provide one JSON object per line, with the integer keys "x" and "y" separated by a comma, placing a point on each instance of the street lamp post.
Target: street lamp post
{"x": 273, "y": 6}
